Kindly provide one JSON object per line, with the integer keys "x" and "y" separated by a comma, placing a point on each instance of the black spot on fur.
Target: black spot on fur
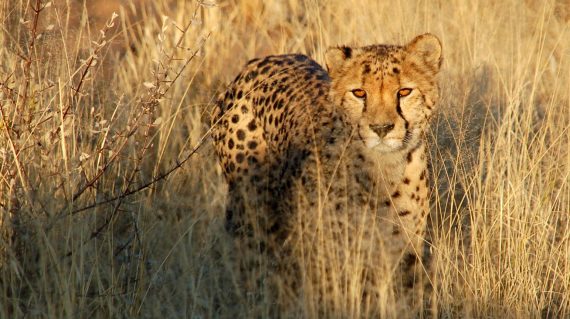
{"x": 404, "y": 213}
{"x": 229, "y": 95}
{"x": 251, "y": 75}
{"x": 252, "y": 126}
{"x": 410, "y": 281}
{"x": 239, "y": 157}
{"x": 238, "y": 78}
{"x": 395, "y": 230}
{"x": 409, "y": 260}
{"x": 366, "y": 69}
{"x": 252, "y": 145}
{"x": 396, "y": 194}
{"x": 346, "y": 51}
{"x": 300, "y": 57}
{"x": 264, "y": 70}
{"x": 263, "y": 63}
{"x": 235, "y": 118}
{"x": 240, "y": 135}
{"x": 231, "y": 144}
{"x": 252, "y": 61}
{"x": 422, "y": 175}
{"x": 396, "y": 70}
{"x": 406, "y": 181}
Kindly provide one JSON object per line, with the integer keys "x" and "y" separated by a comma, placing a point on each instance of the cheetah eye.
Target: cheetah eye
{"x": 359, "y": 93}
{"x": 404, "y": 92}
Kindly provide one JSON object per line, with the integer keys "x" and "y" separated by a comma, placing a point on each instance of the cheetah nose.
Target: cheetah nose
{"x": 381, "y": 129}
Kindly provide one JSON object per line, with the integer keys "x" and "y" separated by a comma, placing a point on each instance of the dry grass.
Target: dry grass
{"x": 106, "y": 211}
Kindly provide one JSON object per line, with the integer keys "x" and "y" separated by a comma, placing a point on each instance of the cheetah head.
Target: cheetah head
{"x": 389, "y": 91}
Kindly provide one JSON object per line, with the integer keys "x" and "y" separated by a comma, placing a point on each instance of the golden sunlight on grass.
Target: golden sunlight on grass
{"x": 112, "y": 202}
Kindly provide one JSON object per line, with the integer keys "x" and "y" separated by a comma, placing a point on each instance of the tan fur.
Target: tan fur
{"x": 295, "y": 143}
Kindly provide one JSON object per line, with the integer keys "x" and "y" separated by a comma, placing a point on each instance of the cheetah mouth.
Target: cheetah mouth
{"x": 374, "y": 141}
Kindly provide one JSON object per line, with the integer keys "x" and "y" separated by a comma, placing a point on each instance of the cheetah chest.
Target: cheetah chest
{"x": 408, "y": 203}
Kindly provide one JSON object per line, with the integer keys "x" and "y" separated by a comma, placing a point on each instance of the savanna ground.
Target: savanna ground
{"x": 112, "y": 202}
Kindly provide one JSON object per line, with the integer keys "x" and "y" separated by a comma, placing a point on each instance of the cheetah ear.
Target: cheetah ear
{"x": 426, "y": 48}
{"x": 336, "y": 56}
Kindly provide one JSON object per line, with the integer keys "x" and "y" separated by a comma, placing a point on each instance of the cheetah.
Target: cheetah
{"x": 334, "y": 162}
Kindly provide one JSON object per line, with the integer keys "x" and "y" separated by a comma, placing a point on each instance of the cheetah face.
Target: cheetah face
{"x": 389, "y": 92}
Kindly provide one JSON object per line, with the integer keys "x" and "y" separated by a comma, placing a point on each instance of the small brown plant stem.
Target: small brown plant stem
{"x": 28, "y": 57}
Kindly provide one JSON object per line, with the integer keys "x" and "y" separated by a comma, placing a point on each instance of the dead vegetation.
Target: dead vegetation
{"x": 111, "y": 200}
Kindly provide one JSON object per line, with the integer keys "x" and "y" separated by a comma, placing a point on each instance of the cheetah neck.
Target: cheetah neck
{"x": 393, "y": 167}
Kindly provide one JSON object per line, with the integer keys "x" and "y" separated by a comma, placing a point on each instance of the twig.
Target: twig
{"x": 146, "y": 185}
{"x": 28, "y": 58}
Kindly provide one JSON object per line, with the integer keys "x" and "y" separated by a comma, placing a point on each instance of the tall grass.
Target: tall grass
{"x": 111, "y": 201}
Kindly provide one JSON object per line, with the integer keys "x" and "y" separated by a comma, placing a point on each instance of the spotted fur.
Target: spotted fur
{"x": 295, "y": 142}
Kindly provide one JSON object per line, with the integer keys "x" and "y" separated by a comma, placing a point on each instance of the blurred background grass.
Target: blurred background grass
{"x": 95, "y": 110}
